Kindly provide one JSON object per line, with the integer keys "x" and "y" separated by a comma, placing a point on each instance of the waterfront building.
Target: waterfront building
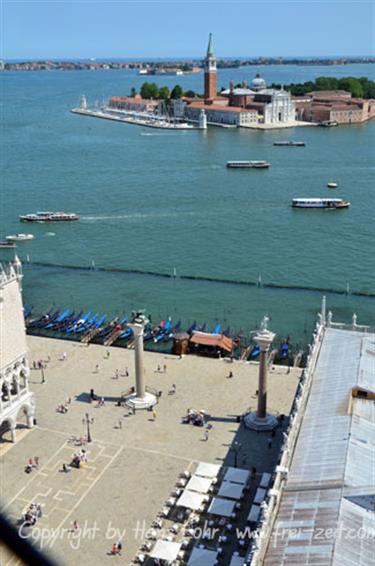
{"x": 133, "y": 103}
{"x": 334, "y": 106}
{"x": 16, "y": 400}
{"x": 320, "y": 508}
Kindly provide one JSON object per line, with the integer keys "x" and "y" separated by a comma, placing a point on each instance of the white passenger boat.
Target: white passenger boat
{"x": 248, "y": 164}
{"x": 20, "y": 237}
{"x": 50, "y": 217}
{"x": 331, "y": 203}
{"x": 332, "y": 184}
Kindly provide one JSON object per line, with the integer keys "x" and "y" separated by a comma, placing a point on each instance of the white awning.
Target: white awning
{"x": 198, "y": 483}
{"x": 222, "y": 507}
{"x": 260, "y": 495}
{"x": 231, "y": 490}
{"x": 265, "y": 480}
{"x": 191, "y": 499}
{"x": 236, "y": 475}
{"x": 207, "y": 470}
{"x": 202, "y": 557}
{"x": 237, "y": 561}
{"x": 165, "y": 550}
{"x": 253, "y": 516}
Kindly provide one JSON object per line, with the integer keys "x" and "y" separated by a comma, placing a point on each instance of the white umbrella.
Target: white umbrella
{"x": 231, "y": 490}
{"x": 202, "y": 557}
{"x": 165, "y": 550}
{"x": 207, "y": 470}
{"x": 237, "y": 475}
{"x": 198, "y": 483}
{"x": 222, "y": 507}
{"x": 191, "y": 500}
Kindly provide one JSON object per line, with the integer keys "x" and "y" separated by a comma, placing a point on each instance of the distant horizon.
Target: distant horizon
{"x": 186, "y": 58}
{"x": 76, "y": 29}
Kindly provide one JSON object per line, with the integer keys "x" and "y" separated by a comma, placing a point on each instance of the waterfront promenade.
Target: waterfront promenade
{"x": 131, "y": 470}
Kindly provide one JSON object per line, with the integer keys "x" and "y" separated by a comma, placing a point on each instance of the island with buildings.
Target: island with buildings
{"x": 253, "y": 105}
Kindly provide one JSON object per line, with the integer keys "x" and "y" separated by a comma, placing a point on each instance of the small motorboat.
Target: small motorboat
{"x": 332, "y": 185}
{"x": 247, "y": 164}
{"x": 289, "y": 143}
{"x": 20, "y": 237}
{"x": 8, "y": 245}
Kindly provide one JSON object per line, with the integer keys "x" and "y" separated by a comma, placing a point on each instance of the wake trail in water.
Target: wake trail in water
{"x": 137, "y": 216}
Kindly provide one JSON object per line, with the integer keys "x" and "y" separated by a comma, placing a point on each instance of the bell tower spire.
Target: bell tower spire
{"x": 210, "y": 88}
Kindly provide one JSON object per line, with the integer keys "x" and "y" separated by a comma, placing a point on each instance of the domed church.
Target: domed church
{"x": 245, "y": 106}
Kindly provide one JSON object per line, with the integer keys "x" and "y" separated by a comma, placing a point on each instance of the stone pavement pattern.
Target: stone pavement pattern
{"x": 131, "y": 470}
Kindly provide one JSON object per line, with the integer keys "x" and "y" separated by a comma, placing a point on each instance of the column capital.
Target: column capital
{"x": 264, "y": 339}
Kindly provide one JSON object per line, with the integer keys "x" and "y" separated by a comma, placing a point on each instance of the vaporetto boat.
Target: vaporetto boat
{"x": 49, "y": 217}
{"x": 331, "y": 203}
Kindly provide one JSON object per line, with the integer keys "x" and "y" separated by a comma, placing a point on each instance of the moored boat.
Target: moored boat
{"x": 332, "y": 184}
{"x": 331, "y": 203}
{"x": 49, "y": 217}
{"x": 20, "y": 237}
{"x": 248, "y": 164}
{"x": 8, "y": 244}
{"x": 289, "y": 143}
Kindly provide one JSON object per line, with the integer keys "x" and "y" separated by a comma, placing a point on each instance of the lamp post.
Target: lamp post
{"x": 87, "y": 421}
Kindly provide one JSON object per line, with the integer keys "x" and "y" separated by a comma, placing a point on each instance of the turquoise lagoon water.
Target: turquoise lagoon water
{"x": 157, "y": 201}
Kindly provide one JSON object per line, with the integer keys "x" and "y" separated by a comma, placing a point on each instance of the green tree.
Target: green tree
{"x": 326, "y": 83}
{"x": 164, "y": 93}
{"x": 177, "y": 92}
{"x": 149, "y": 90}
{"x": 351, "y": 85}
{"x": 190, "y": 94}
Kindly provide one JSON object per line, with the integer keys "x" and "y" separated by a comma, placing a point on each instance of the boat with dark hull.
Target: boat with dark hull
{"x": 289, "y": 143}
{"x": 248, "y": 165}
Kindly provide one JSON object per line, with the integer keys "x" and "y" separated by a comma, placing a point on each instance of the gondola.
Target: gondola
{"x": 78, "y": 323}
{"x": 61, "y": 317}
{"x": 255, "y": 352}
{"x": 192, "y": 327}
{"x": 163, "y": 331}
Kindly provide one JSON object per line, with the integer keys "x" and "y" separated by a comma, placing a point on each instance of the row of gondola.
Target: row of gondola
{"x": 92, "y": 327}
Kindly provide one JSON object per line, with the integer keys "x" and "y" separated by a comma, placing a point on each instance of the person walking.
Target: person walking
{"x": 165, "y": 368}
{"x": 153, "y": 414}
{"x": 119, "y": 548}
{"x": 36, "y": 461}
{"x": 205, "y": 436}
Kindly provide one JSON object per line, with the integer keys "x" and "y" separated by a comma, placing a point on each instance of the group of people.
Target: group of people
{"x": 159, "y": 369}
{"x": 63, "y": 407}
{"x": 194, "y": 417}
{"x": 32, "y": 514}
{"x": 40, "y": 364}
{"x": 116, "y": 548}
{"x": 32, "y": 463}
{"x": 77, "y": 459}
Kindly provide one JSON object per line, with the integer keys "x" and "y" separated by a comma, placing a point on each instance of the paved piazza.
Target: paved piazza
{"x": 132, "y": 469}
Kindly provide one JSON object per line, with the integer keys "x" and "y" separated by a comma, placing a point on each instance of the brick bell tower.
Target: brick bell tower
{"x": 210, "y": 88}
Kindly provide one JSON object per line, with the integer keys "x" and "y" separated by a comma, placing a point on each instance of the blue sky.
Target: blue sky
{"x": 121, "y": 29}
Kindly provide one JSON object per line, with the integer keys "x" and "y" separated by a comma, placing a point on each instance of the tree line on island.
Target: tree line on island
{"x": 358, "y": 87}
